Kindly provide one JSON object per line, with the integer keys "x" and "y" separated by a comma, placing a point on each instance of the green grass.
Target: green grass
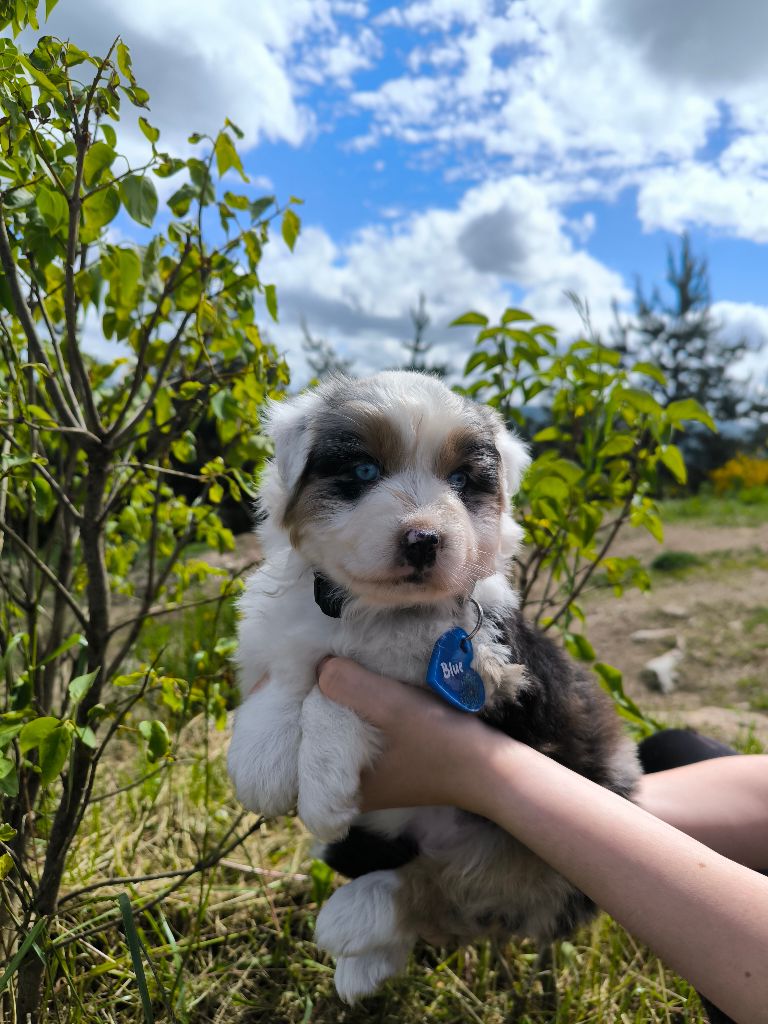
{"x": 747, "y": 509}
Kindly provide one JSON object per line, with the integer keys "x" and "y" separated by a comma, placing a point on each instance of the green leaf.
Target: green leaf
{"x": 9, "y": 784}
{"x": 470, "y": 318}
{"x": 29, "y": 941}
{"x": 77, "y": 639}
{"x": 151, "y": 133}
{"x": 689, "y": 409}
{"x": 109, "y": 134}
{"x": 49, "y": 5}
{"x": 54, "y": 751}
{"x": 124, "y": 61}
{"x": 86, "y": 735}
{"x": 215, "y": 493}
{"x": 139, "y": 198}
{"x": 290, "y": 228}
{"x": 53, "y": 208}
{"x": 649, "y": 370}
{"x": 7, "y": 832}
{"x": 618, "y": 445}
{"x": 80, "y": 685}
{"x": 511, "y": 315}
{"x": 641, "y": 401}
{"x": 9, "y": 732}
{"x": 34, "y": 732}
{"x": 98, "y": 157}
{"x": 271, "y": 298}
{"x": 227, "y": 156}
{"x": 259, "y": 206}
{"x": 158, "y": 740}
{"x": 548, "y": 434}
{"x": 38, "y": 75}
{"x": 579, "y": 646}
{"x": 672, "y": 458}
{"x": 6, "y": 865}
{"x": 134, "y": 945}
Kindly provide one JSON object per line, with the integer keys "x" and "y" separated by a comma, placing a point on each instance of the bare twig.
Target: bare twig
{"x": 43, "y": 568}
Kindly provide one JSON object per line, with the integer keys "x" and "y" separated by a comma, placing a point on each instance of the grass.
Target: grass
{"x": 234, "y": 944}
{"x": 750, "y": 508}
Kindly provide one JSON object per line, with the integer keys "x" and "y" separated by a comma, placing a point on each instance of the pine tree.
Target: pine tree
{"x": 684, "y": 340}
{"x": 418, "y": 348}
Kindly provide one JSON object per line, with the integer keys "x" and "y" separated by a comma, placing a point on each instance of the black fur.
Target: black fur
{"x": 361, "y": 852}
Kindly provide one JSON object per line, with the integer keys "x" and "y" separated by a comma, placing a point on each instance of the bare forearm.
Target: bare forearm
{"x": 704, "y": 915}
{"x": 723, "y": 803}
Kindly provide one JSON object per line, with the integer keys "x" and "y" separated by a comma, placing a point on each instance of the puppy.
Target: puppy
{"x": 387, "y": 508}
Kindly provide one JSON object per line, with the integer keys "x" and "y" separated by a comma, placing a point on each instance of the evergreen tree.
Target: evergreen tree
{"x": 322, "y": 357}
{"x": 419, "y": 348}
{"x": 684, "y": 340}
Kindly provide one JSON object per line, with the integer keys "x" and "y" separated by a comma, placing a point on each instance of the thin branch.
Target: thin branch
{"x": 170, "y": 609}
{"x": 170, "y": 352}
{"x": 57, "y": 351}
{"x": 4, "y": 452}
{"x": 43, "y": 568}
{"x": 617, "y": 523}
{"x": 27, "y": 324}
{"x": 146, "y": 333}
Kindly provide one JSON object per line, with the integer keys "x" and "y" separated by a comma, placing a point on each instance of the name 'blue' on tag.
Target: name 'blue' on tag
{"x": 450, "y": 673}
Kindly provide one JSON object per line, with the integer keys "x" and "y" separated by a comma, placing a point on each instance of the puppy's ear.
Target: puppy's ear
{"x": 515, "y": 458}
{"x": 288, "y": 424}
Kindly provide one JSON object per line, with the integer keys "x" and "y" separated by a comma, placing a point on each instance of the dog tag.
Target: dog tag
{"x": 450, "y": 674}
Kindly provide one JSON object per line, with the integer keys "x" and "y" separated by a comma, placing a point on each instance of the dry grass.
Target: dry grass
{"x": 233, "y": 945}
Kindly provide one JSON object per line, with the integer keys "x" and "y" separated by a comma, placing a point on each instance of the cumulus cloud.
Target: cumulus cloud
{"x": 202, "y": 62}
{"x": 698, "y": 194}
{"x": 503, "y": 238}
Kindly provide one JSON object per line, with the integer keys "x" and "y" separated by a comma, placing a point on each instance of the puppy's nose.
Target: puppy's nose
{"x": 420, "y": 547}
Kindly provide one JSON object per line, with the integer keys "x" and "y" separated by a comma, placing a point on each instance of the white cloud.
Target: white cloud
{"x": 505, "y": 237}
{"x": 541, "y": 82}
{"x": 698, "y": 194}
{"x": 749, "y": 322}
{"x": 202, "y": 62}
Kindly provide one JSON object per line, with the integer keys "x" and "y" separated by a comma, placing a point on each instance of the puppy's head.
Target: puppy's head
{"x": 394, "y": 486}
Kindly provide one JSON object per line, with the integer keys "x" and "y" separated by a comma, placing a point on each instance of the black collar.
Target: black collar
{"x": 329, "y": 596}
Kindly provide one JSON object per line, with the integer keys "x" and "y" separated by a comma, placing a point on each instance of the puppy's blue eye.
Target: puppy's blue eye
{"x": 458, "y": 480}
{"x": 367, "y": 472}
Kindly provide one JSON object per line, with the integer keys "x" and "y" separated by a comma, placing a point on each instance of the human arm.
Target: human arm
{"x": 706, "y": 916}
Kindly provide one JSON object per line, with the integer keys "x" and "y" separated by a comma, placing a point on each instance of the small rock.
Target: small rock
{"x": 674, "y": 611}
{"x": 661, "y": 673}
{"x": 651, "y": 636}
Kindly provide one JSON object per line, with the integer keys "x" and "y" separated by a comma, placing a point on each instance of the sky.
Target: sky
{"x": 479, "y": 152}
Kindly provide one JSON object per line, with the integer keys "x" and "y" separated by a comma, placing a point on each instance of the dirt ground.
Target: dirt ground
{"x": 717, "y": 612}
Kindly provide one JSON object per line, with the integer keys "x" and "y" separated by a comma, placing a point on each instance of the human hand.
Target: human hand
{"x": 431, "y": 750}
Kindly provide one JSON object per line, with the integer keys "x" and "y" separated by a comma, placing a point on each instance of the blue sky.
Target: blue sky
{"x": 481, "y": 152}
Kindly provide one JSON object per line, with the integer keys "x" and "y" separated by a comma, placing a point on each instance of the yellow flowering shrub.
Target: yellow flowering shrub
{"x": 743, "y": 471}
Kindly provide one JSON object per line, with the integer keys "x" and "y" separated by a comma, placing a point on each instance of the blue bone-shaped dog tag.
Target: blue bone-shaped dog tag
{"x": 449, "y": 672}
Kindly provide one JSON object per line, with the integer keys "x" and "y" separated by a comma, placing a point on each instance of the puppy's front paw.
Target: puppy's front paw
{"x": 327, "y": 814}
{"x": 263, "y": 760}
{"x": 336, "y": 746}
{"x": 499, "y": 676}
